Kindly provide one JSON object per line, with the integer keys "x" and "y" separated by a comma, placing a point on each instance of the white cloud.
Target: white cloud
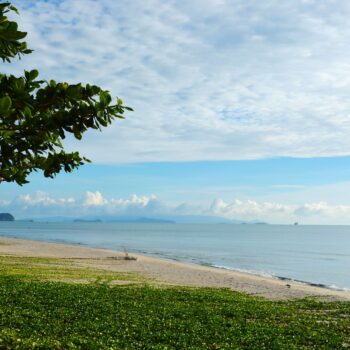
{"x": 134, "y": 201}
{"x": 252, "y": 210}
{"x": 208, "y": 79}
{"x": 92, "y": 203}
{"x": 117, "y": 205}
{"x": 94, "y": 199}
{"x": 42, "y": 204}
{"x": 43, "y": 199}
{"x": 308, "y": 213}
{"x": 323, "y": 209}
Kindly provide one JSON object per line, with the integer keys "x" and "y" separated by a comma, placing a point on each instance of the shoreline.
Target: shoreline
{"x": 170, "y": 272}
{"x": 282, "y": 278}
{"x": 213, "y": 266}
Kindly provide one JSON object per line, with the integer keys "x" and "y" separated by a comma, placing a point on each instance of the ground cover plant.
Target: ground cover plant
{"x": 63, "y": 270}
{"x": 37, "y": 313}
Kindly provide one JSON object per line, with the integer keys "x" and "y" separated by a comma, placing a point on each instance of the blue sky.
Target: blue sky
{"x": 242, "y": 108}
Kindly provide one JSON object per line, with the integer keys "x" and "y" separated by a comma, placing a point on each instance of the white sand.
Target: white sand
{"x": 169, "y": 272}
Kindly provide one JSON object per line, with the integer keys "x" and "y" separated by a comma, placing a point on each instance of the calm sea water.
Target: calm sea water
{"x": 314, "y": 254}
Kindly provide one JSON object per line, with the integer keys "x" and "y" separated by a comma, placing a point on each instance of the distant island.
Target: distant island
{"x": 106, "y": 219}
{"x": 161, "y": 219}
{"x": 87, "y": 220}
{"x": 154, "y": 221}
{"x": 143, "y": 220}
{"x": 6, "y": 217}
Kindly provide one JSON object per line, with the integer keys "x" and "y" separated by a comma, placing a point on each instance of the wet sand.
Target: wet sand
{"x": 167, "y": 272}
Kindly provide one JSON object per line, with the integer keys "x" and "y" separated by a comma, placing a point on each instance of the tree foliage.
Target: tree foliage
{"x": 36, "y": 115}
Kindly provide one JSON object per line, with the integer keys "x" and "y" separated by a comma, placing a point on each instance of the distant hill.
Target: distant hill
{"x": 105, "y": 218}
{"x": 86, "y": 220}
{"x": 200, "y": 219}
{"x": 163, "y": 219}
{"x": 126, "y": 219}
{"x": 154, "y": 221}
{"x": 52, "y": 219}
{"x": 6, "y": 217}
{"x": 160, "y": 219}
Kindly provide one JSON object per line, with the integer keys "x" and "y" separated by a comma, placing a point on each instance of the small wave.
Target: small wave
{"x": 251, "y": 272}
{"x": 333, "y": 286}
{"x": 265, "y": 274}
{"x": 314, "y": 284}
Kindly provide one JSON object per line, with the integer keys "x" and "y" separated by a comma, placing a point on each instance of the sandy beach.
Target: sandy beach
{"x": 166, "y": 272}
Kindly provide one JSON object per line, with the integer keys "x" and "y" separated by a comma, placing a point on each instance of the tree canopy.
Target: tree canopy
{"x": 36, "y": 115}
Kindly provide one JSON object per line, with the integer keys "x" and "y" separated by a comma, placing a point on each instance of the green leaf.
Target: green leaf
{"x": 33, "y": 74}
{"x": 14, "y": 9}
{"x": 5, "y": 104}
{"x": 19, "y": 84}
{"x": 74, "y": 91}
{"x": 37, "y": 115}
{"x": 27, "y": 112}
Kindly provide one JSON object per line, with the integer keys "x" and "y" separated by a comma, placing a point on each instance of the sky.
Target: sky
{"x": 242, "y": 108}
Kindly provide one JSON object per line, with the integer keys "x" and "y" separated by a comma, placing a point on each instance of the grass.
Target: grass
{"x": 37, "y": 313}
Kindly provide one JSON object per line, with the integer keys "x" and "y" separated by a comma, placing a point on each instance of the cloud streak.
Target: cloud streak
{"x": 208, "y": 79}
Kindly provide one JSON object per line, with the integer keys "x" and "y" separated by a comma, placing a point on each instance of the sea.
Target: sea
{"x": 318, "y": 255}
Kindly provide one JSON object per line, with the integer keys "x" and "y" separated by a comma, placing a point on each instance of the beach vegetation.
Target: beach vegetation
{"x": 37, "y": 115}
{"x": 37, "y": 313}
{"x": 63, "y": 270}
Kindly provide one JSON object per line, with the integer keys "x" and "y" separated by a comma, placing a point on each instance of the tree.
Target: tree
{"x": 36, "y": 115}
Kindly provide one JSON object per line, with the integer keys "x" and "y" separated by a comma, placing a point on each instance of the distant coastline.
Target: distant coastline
{"x": 166, "y": 219}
